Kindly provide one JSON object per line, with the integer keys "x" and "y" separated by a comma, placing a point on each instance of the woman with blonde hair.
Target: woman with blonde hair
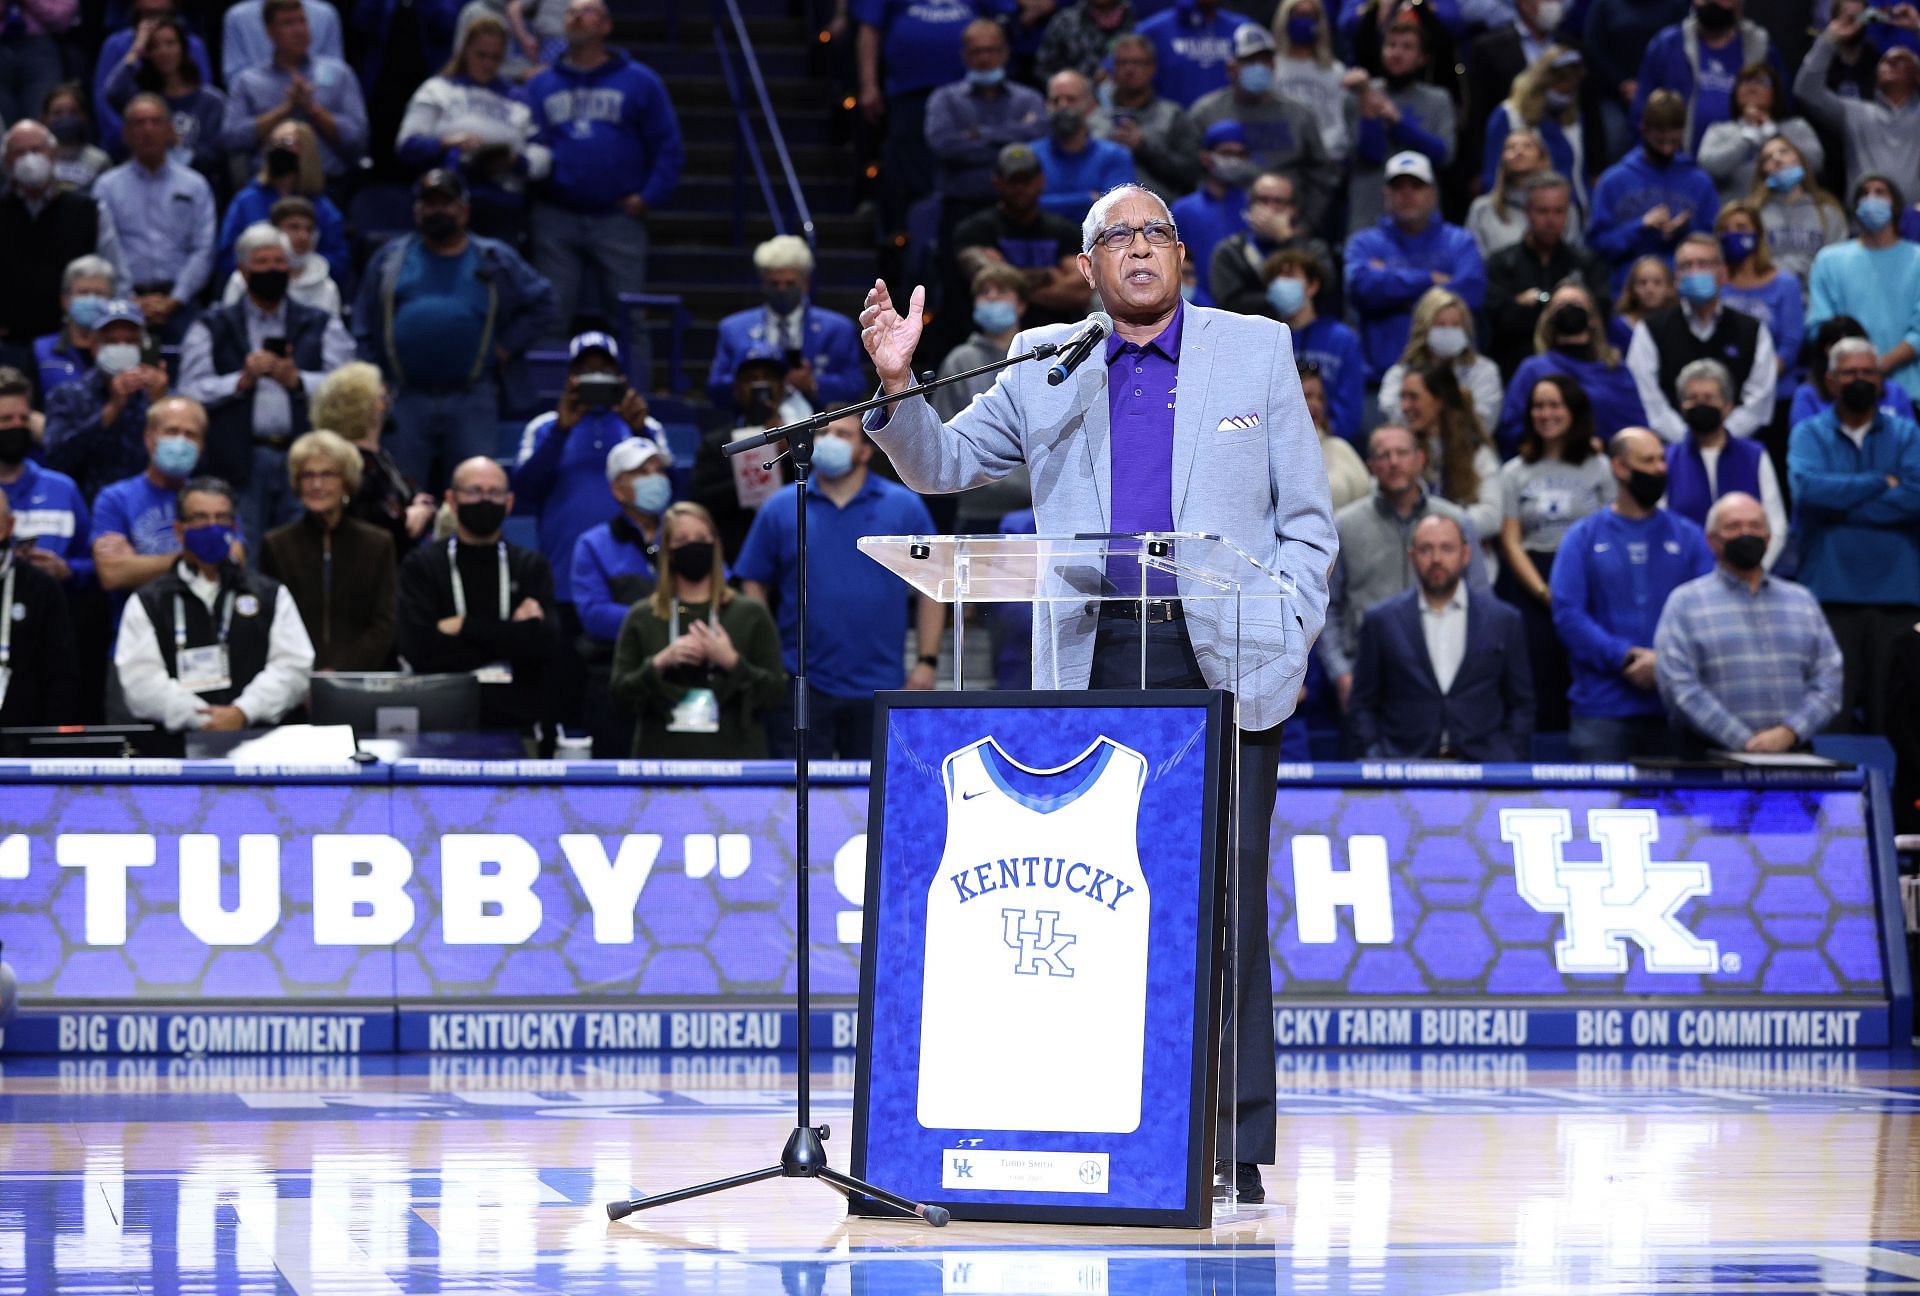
{"x": 352, "y": 401}
{"x": 1649, "y": 287}
{"x": 1798, "y": 216}
{"x": 1306, "y": 71}
{"x": 1442, "y": 334}
{"x": 1498, "y": 218}
{"x": 289, "y": 165}
{"x": 1758, "y": 288}
{"x": 1571, "y": 340}
{"x": 697, "y": 662}
{"x": 1545, "y": 98}
{"x": 339, "y": 570}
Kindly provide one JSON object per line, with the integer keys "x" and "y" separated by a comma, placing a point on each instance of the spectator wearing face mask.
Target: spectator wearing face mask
{"x": 1394, "y": 264}
{"x": 1710, "y": 465}
{"x": 1306, "y": 70}
{"x": 1394, "y": 114}
{"x": 1800, "y": 217}
{"x": 1193, "y": 42}
{"x": 1878, "y": 130}
{"x": 971, "y": 120}
{"x": 133, "y": 539}
{"x": 1333, "y": 349}
{"x": 1644, "y": 204}
{"x": 312, "y": 283}
{"x": 1874, "y": 278}
{"x": 1569, "y": 340}
{"x": 62, "y": 357}
{"x": 1163, "y": 138}
{"x": 1079, "y": 166}
{"x": 1218, "y": 208}
{"x": 33, "y": 36}
{"x": 1281, "y": 134}
{"x": 1759, "y": 288}
{"x": 1699, "y": 59}
{"x": 39, "y": 669}
{"x": 290, "y": 168}
{"x": 96, "y": 426}
{"x": 1702, "y": 327}
{"x": 43, "y": 228}
{"x": 49, "y": 513}
{"x": 999, "y": 306}
{"x": 1812, "y": 396}
{"x": 77, "y": 160}
{"x": 821, "y": 346}
{"x": 1521, "y": 279}
{"x": 733, "y": 488}
{"x": 1442, "y": 334}
{"x": 616, "y": 565}
{"x": 1730, "y": 149}
{"x": 1236, "y": 274}
{"x": 1545, "y": 103}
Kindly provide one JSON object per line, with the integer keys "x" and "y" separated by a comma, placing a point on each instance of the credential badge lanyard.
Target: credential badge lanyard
{"x": 460, "y": 589}
{"x": 179, "y": 621}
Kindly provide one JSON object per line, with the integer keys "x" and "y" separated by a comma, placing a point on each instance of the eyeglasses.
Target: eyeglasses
{"x": 1118, "y": 238}
{"x": 1309, "y": 368}
{"x": 480, "y": 494}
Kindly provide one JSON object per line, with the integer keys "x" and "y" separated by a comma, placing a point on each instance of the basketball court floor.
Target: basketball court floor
{"x": 1405, "y": 1175}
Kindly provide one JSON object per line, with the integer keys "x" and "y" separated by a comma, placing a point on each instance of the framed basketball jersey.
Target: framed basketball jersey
{"x": 1038, "y": 991}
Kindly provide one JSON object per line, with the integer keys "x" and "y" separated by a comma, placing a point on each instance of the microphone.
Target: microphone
{"x": 1099, "y": 325}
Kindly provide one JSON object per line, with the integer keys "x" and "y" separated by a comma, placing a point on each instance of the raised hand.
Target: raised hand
{"x": 890, "y": 337}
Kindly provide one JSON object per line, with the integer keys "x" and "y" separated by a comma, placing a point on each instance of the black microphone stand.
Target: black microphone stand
{"x": 804, "y": 1157}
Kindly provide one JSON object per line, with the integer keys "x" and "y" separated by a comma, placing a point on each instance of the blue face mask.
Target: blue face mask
{"x": 1256, "y": 78}
{"x": 175, "y": 456}
{"x": 1783, "y": 180}
{"x": 833, "y": 457}
{"x": 985, "y": 77}
{"x": 1287, "y": 295}
{"x": 1699, "y": 286}
{"x": 211, "y": 544}
{"x": 1738, "y": 245}
{"x": 652, "y": 494}
{"x": 995, "y": 316}
{"x": 1303, "y": 29}
{"x": 1874, "y": 212}
{"x": 85, "y": 309}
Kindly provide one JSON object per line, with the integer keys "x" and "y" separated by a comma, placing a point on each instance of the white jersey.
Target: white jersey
{"x": 1033, "y": 1015}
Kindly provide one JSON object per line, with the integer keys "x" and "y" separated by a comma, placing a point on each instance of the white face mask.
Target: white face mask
{"x": 32, "y": 171}
{"x": 1446, "y": 341}
{"x": 1549, "y": 14}
{"x": 117, "y": 357}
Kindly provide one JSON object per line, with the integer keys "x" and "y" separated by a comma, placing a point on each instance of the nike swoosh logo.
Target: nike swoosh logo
{"x": 968, "y": 796}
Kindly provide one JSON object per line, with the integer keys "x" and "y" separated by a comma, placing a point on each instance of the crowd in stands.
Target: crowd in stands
{"x": 1611, "y": 361}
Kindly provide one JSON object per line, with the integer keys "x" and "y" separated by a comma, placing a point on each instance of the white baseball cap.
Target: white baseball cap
{"x": 634, "y": 452}
{"x": 1412, "y": 164}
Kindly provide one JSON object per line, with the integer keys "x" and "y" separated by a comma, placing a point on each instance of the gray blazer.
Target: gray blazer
{"x": 1260, "y": 484}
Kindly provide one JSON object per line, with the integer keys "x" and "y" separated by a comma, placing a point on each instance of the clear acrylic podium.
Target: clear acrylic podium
{"x": 1243, "y": 609}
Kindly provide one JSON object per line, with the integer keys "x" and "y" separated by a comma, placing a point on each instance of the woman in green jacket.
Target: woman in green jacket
{"x": 697, "y": 661}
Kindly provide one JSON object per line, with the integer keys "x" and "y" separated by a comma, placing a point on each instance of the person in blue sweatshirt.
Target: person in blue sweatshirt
{"x": 1192, "y": 42}
{"x": 1656, "y": 195}
{"x": 617, "y": 152}
{"x": 1410, "y": 250}
{"x": 1611, "y": 579}
{"x": 1293, "y": 281}
{"x": 615, "y": 565}
{"x": 1855, "y": 475}
{"x": 1700, "y": 58}
{"x": 560, "y": 473}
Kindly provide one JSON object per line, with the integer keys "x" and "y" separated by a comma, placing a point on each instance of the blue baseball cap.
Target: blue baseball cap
{"x": 1223, "y": 132}
{"x": 593, "y": 340}
{"x": 120, "y": 311}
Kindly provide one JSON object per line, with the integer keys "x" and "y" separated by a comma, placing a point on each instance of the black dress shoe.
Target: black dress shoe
{"x": 1246, "y": 1181}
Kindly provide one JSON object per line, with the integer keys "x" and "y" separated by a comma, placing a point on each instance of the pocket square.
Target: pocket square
{"x": 1239, "y": 423}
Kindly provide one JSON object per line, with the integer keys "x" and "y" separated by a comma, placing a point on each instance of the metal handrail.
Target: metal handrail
{"x": 802, "y": 213}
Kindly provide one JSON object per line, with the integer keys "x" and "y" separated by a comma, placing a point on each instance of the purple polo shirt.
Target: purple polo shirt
{"x": 1141, "y": 381}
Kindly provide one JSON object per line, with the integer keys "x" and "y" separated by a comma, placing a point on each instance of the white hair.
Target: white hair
{"x": 256, "y": 236}
{"x": 1732, "y": 497}
{"x": 1706, "y": 371}
{"x": 1097, "y": 214}
{"x": 784, "y": 252}
{"x": 86, "y": 267}
{"x": 1849, "y": 346}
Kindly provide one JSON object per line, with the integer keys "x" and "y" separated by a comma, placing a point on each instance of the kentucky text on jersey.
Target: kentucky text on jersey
{"x": 1041, "y": 871}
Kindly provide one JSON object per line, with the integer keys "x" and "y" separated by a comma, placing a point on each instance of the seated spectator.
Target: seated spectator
{"x": 1376, "y": 543}
{"x": 1498, "y": 218}
{"x": 1163, "y": 138}
{"x": 1800, "y": 217}
{"x": 119, "y": 47}
{"x": 1347, "y": 478}
{"x": 42, "y": 229}
{"x": 1193, "y": 43}
{"x": 1702, "y": 328}
{"x": 610, "y": 124}
{"x": 1391, "y": 266}
{"x": 1649, "y": 288}
{"x": 999, "y": 306}
{"x": 1393, "y": 115}
{"x": 614, "y": 562}
{"x": 96, "y": 425}
{"x": 1079, "y": 166}
{"x": 1698, "y": 60}
{"x": 1649, "y": 200}
{"x": 1710, "y": 465}
{"x": 1441, "y": 336}
{"x": 1874, "y": 278}
{"x": 1877, "y": 129}
{"x": 1546, "y": 101}
{"x": 158, "y": 61}
{"x": 1521, "y": 279}
{"x": 1441, "y": 674}
{"x": 470, "y": 117}
{"x": 1855, "y": 476}
{"x": 298, "y": 84}
{"x": 971, "y": 120}
{"x": 1557, "y": 478}
{"x": 339, "y": 570}
{"x": 1329, "y": 346}
{"x": 312, "y": 283}
{"x": 49, "y": 513}
{"x": 560, "y": 473}
{"x": 210, "y": 644}
{"x": 822, "y": 347}
{"x": 1812, "y": 397}
{"x": 39, "y": 671}
{"x": 1463, "y": 466}
{"x": 448, "y": 316}
{"x": 353, "y": 402}
{"x": 857, "y": 610}
{"x": 1757, "y": 287}
{"x": 290, "y": 169}
{"x": 480, "y": 603}
{"x": 1237, "y": 274}
{"x": 1080, "y": 36}
{"x": 1500, "y": 56}
{"x": 1611, "y": 579}
{"x": 1281, "y": 134}
{"x": 1220, "y": 207}
{"x": 168, "y": 257}
{"x": 244, "y": 42}
{"x": 67, "y": 355}
{"x": 1730, "y": 150}
{"x": 254, "y": 366}
{"x": 1017, "y": 231}
{"x": 699, "y": 663}
{"x": 732, "y": 489}
{"x": 77, "y": 160}
{"x": 133, "y": 539}
{"x": 1725, "y": 687}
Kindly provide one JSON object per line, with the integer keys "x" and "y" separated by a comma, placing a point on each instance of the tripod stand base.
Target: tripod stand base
{"x": 802, "y": 1158}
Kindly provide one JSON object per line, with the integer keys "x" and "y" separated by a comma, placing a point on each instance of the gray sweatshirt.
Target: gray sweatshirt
{"x": 1879, "y": 137}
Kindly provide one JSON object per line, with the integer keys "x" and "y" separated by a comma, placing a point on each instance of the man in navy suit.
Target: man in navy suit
{"x": 1441, "y": 673}
{"x": 821, "y": 347}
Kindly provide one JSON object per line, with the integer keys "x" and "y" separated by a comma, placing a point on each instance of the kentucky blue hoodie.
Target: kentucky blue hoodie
{"x": 1634, "y": 186}
{"x": 613, "y": 132}
{"x": 1384, "y": 295}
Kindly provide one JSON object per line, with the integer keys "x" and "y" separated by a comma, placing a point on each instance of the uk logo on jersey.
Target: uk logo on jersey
{"x": 1038, "y": 945}
{"x": 1625, "y": 895}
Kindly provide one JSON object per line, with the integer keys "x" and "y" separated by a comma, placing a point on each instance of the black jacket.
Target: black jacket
{"x": 426, "y": 598}
{"x": 45, "y": 684}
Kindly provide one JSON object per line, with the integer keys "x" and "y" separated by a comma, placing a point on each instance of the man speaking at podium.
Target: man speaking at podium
{"x": 1184, "y": 419}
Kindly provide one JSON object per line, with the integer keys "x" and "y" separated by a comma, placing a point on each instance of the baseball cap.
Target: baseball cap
{"x": 444, "y": 181}
{"x": 1223, "y": 132}
{"x": 1252, "y": 39}
{"x": 1568, "y": 59}
{"x": 1016, "y": 160}
{"x": 634, "y": 452}
{"x": 120, "y": 311}
{"x": 761, "y": 355}
{"x": 1410, "y": 164}
{"x": 593, "y": 340}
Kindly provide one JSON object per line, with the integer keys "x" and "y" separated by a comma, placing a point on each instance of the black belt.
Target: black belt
{"x": 273, "y": 442}
{"x": 1158, "y": 611}
{"x": 162, "y": 287}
